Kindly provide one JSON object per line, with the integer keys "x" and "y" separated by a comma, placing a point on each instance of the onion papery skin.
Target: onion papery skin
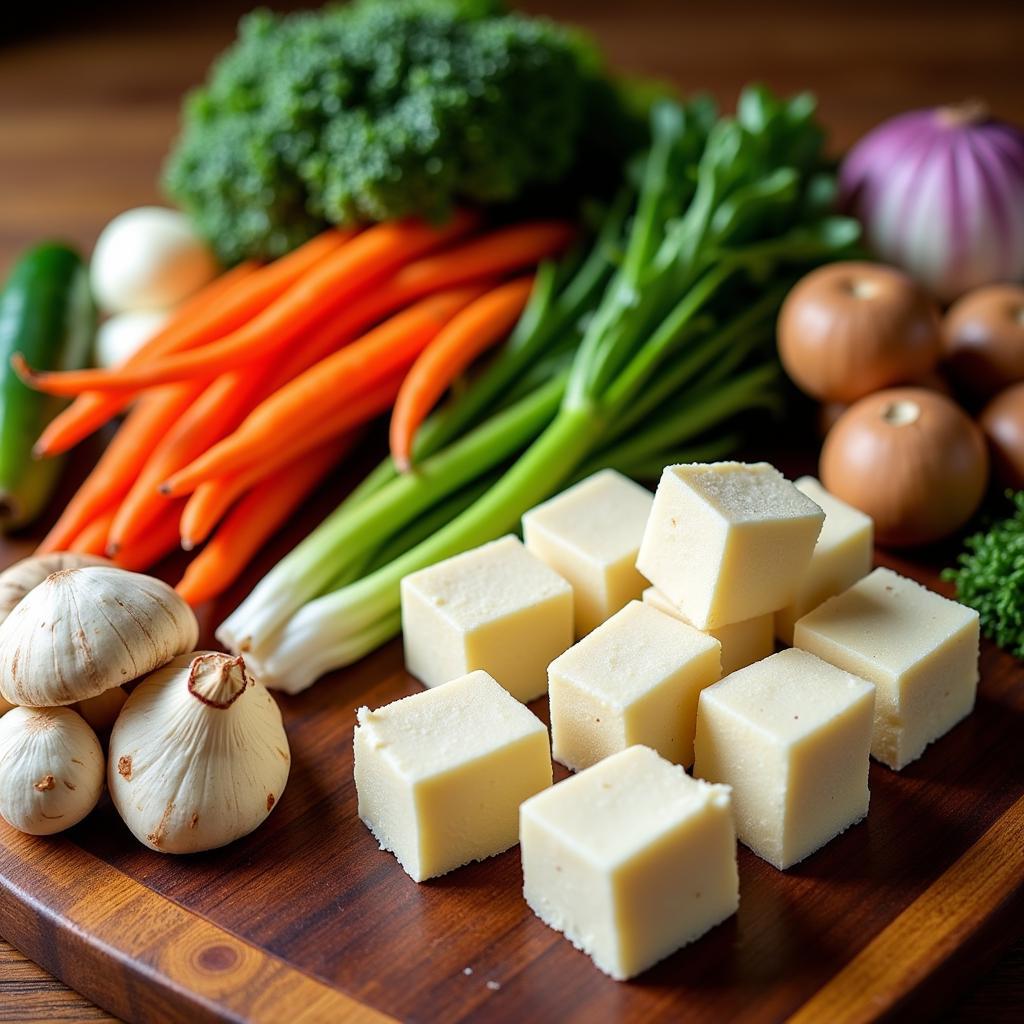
{"x": 941, "y": 193}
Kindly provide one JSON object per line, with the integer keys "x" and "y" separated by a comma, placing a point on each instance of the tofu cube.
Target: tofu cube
{"x": 634, "y": 679}
{"x": 843, "y": 555}
{"x": 440, "y": 775}
{"x": 743, "y": 643}
{"x": 791, "y": 735}
{"x": 728, "y": 541}
{"x": 630, "y": 860}
{"x": 590, "y": 535}
{"x": 496, "y": 608}
{"x": 919, "y": 649}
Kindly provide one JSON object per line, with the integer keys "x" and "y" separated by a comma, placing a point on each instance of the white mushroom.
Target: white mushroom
{"x": 18, "y": 579}
{"x": 83, "y": 631}
{"x": 199, "y": 756}
{"x": 21, "y": 577}
{"x": 51, "y": 769}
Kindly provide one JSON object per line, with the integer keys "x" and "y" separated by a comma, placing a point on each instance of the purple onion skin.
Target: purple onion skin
{"x": 941, "y": 194}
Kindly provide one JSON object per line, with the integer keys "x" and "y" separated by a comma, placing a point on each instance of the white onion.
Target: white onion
{"x": 941, "y": 194}
{"x": 149, "y": 258}
{"x": 120, "y": 336}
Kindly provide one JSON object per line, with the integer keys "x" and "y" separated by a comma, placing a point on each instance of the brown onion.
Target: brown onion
{"x": 848, "y": 329}
{"x": 829, "y": 412}
{"x": 912, "y": 460}
{"x": 984, "y": 339}
{"x": 1003, "y": 422}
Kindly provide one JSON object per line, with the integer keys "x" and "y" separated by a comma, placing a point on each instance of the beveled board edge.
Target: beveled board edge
{"x": 927, "y": 933}
{"x": 141, "y": 956}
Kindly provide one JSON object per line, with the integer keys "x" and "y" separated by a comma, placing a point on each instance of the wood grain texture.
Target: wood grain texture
{"x": 958, "y": 901}
{"x": 113, "y": 926}
{"x": 85, "y": 118}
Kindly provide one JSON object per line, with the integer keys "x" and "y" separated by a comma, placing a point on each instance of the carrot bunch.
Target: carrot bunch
{"x": 258, "y": 386}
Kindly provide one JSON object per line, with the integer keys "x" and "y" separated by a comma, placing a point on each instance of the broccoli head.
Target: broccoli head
{"x": 382, "y": 109}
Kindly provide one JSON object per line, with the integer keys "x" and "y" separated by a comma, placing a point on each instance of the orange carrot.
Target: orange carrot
{"x": 501, "y": 251}
{"x": 155, "y": 544}
{"x": 223, "y": 306}
{"x": 209, "y": 502}
{"x": 93, "y": 539}
{"x": 121, "y": 462}
{"x": 328, "y": 385}
{"x": 469, "y": 333}
{"x": 253, "y": 521}
{"x": 214, "y": 413}
{"x": 339, "y": 278}
{"x": 92, "y": 409}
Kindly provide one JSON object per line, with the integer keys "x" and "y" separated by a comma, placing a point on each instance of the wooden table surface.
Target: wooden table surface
{"x": 88, "y": 104}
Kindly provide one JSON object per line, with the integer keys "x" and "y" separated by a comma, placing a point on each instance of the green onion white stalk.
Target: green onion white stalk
{"x": 661, "y": 336}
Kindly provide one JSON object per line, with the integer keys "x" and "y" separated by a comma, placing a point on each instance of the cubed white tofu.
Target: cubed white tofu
{"x": 743, "y": 643}
{"x": 440, "y": 775}
{"x": 728, "y": 541}
{"x": 843, "y": 555}
{"x": 496, "y": 608}
{"x": 590, "y": 535}
{"x": 634, "y": 679}
{"x": 919, "y": 649}
{"x": 791, "y": 735}
{"x": 630, "y": 860}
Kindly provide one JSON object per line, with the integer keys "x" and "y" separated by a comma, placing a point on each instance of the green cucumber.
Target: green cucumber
{"x": 46, "y": 314}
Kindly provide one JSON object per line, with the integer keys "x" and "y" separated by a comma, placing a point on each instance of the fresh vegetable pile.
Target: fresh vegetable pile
{"x": 400, "y": 188}
{"x": 375, "y": 111}
{"x": 251, "y": 393}
{"x": 633, "y": 360}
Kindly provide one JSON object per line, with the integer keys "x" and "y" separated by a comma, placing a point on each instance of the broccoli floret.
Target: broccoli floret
{"x": 385, "y": 109}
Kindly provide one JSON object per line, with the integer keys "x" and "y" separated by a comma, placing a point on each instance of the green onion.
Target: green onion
{"x": 650, "y": 352}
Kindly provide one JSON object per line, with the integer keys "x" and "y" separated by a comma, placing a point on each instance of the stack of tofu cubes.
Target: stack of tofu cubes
{"x": 651, "y": 622}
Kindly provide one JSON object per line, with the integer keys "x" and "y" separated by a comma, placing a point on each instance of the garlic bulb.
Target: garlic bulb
{"x": 51, "y": 769}
{"x": 199, "y": 756}
{"x": 102, "y": 710}
{"x": 83, "y": 631}
{"x": 18, "y": 579}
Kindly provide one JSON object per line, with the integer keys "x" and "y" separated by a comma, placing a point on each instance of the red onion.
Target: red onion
{"x": 941, "y": 194}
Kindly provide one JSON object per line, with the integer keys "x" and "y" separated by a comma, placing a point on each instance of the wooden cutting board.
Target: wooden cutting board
{"x": 307, "y": 920}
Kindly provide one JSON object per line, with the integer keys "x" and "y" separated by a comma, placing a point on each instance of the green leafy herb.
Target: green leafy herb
{"x": 990, "y": 577}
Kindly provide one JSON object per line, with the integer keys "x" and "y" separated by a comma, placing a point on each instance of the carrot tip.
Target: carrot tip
{"x": 20, "y": 366}
{"x": 112, "y": 550}
{"x": 187, "y": 544}
{"x": 165, "y": 488}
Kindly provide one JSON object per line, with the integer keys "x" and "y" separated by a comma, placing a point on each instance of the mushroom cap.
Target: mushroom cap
{"x": 198, "y": 756}
{"x": 83, "y": 631}
{"x": 51, "y": 769}
{"x": 21, "y": 577}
